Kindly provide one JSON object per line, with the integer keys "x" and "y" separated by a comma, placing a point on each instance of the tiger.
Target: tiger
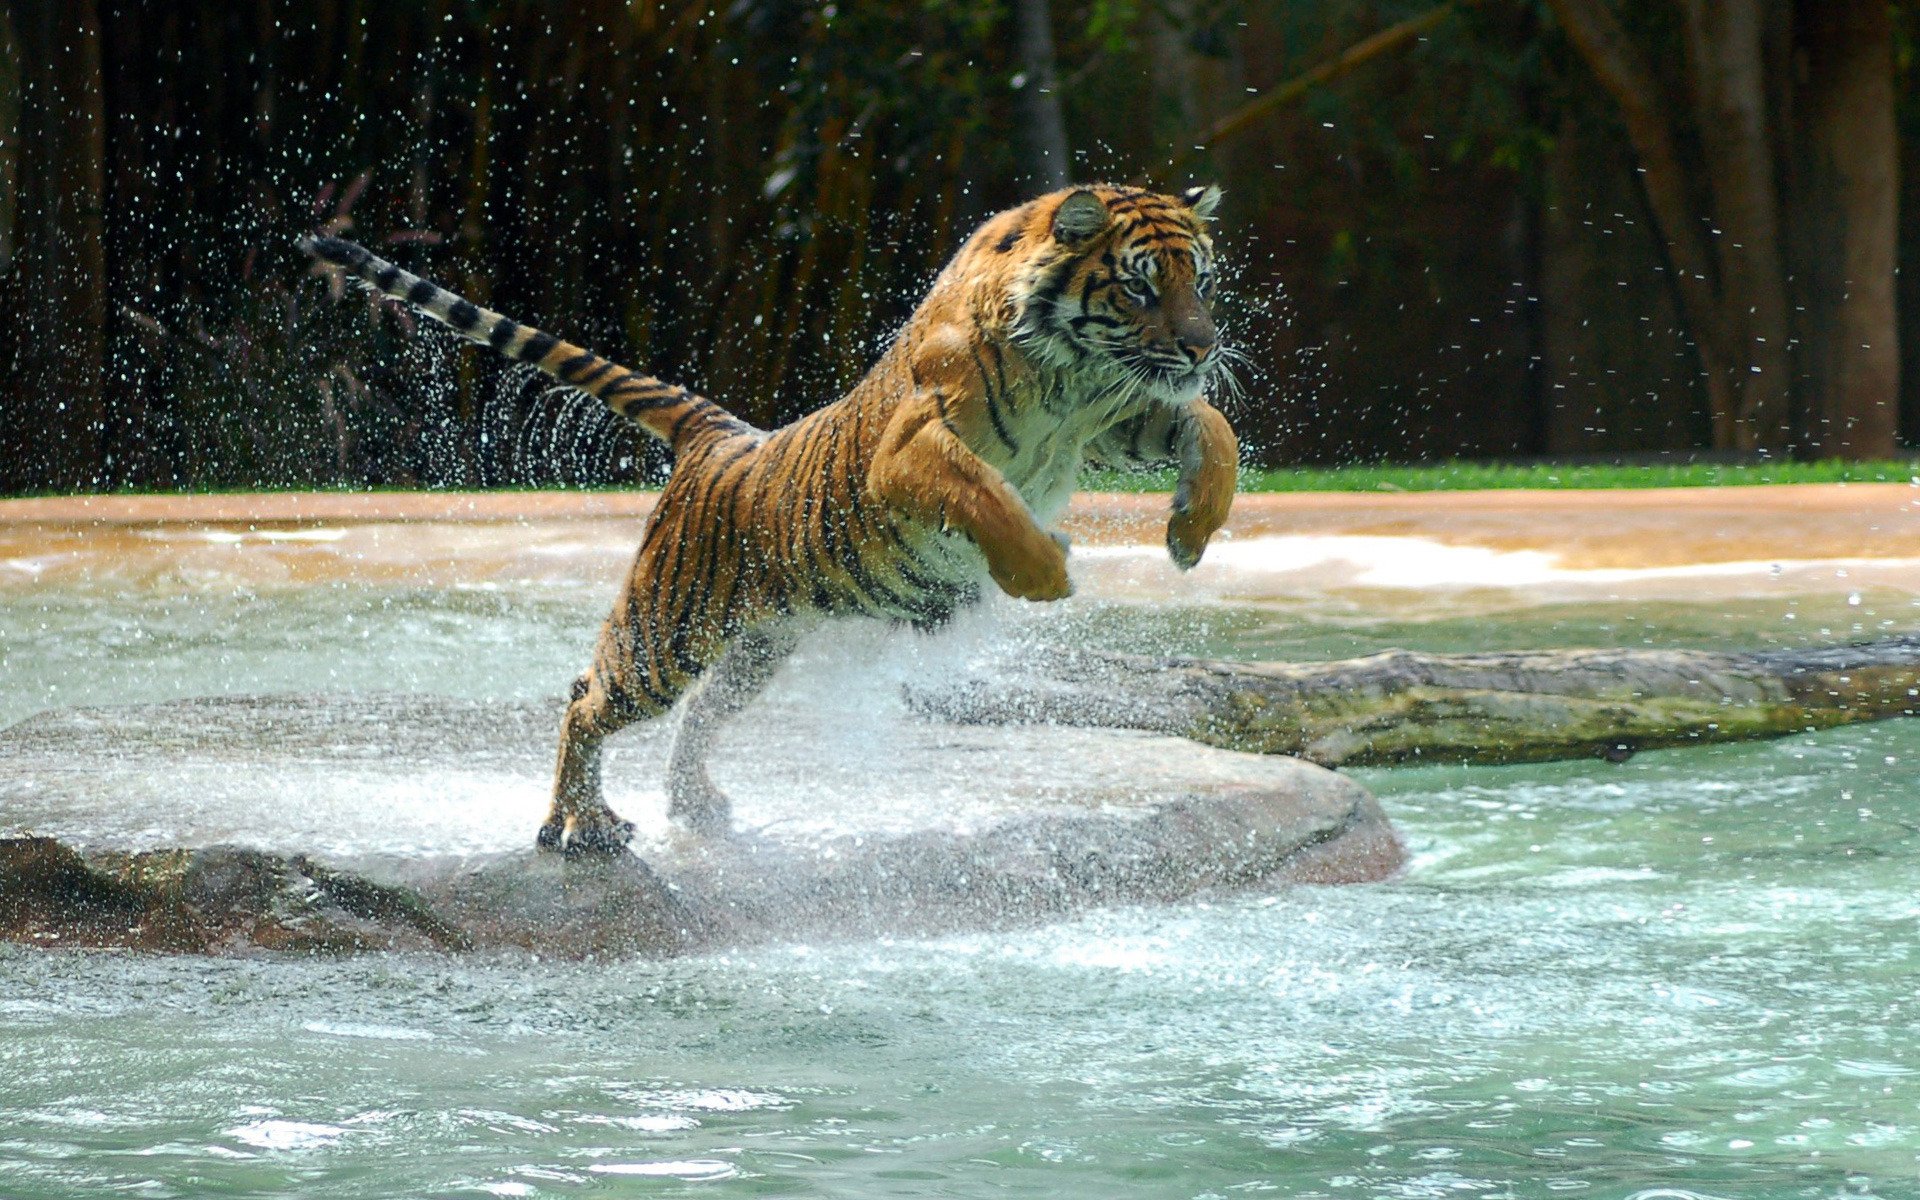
{"x": 1075, "y": 328}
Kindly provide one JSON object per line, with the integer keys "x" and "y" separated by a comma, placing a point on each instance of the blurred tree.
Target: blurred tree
{"x": 1433, "y": 218}
{"x": 1047, "y": 161}
{"x": 61, "y": 333}
{"x": 1843, "y": 214}
{"x": 1787, "y": 111}
{"x": 1387, "y": 41}
{"x": 11, "y": 66}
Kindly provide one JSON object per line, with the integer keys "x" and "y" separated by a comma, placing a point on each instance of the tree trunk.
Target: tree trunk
{"x": 62, "y": 252}
{"x": 1844, "y": 195}
{"x": 1177, "y": 111}
{"x": 1726, "y": 52}
{"x": 11, "y": 64}
{"x": 1793, "y": 113}
{"x": 1400, "y": 707}
{"x": 1628, "y": 77}
{"x": 1046, "y": 163}
{"x": 1605, "y": 390}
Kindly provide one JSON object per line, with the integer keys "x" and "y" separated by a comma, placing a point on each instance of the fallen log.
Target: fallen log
{"x": 1399, "y": 707}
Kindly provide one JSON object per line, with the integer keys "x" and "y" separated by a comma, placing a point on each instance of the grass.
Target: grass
{"x": 1478, "y": 476}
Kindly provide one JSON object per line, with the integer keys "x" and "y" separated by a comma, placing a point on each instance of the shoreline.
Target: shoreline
{"x": 1582, "y": 528}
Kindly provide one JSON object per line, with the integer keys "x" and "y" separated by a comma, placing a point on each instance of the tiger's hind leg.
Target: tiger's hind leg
{"x": 729, "y": 686}
{"x": 580, "y": 823}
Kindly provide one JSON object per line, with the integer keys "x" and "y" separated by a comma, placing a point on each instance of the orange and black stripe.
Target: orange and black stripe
{"x": 667, "y": 411}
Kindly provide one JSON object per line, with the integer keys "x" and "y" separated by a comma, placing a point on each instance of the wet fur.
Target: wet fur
{"x": 1074, "y": 327}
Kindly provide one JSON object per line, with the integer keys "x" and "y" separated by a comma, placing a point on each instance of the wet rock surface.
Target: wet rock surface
{"x": 217, "y": 899}
{"x": 339, "y": 824}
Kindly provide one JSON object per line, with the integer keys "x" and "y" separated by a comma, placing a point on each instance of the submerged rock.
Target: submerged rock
{"x": 405, "y": 822}
{"x": 217, "y": 899}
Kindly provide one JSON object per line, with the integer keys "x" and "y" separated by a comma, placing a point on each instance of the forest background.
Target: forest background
{"x": 1564, "y": 229}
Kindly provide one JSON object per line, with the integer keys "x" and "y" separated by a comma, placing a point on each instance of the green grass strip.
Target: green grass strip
{"x": 1376, "y": 477}
{"x": 1477, "y": 476}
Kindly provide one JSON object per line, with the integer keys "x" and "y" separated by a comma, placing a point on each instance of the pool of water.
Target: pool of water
{"x": 510, "y": 641}
{"x": 1687, "y": 975}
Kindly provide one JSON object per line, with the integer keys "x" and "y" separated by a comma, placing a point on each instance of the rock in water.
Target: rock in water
{"x": 407, "y": 821}
{"x": 217, "y": 899}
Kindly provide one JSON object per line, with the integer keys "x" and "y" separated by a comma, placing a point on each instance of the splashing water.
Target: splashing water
{"x": 1688, "y": 975}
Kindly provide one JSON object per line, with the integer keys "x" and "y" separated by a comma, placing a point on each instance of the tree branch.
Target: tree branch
{"x": 1348, "y": 60}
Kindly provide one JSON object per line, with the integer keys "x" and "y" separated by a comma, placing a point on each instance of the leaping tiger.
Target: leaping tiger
{"x": 1074, "y": 327}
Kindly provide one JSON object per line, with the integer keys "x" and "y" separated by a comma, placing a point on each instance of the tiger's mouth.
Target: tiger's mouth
{"x": 1171, "y": 378}
{"x": 1163, "y": 372}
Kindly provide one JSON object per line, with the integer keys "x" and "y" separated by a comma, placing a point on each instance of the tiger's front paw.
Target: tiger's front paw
{"x": 1209, "y": 473}
{"x": 1198, "y": 514}
{"x": 1187, "y": 537}
{"x": 1036, "y": 569}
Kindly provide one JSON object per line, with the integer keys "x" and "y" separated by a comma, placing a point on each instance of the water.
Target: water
{"x": 1688, "y": 975}
{"x": 510, "y": 612}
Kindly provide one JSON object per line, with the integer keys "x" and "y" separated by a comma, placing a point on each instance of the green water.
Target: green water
{"x": 64, "y": 646}
{"x": 1688, "y": 975}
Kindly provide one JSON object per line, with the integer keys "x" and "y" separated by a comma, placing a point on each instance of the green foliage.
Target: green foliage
{"x": 749, "y": 198}
{"x": 1111, "y": 24}
{"x": 1480, "y": 476}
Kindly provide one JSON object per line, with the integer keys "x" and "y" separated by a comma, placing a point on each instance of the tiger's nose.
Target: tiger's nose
{"x": 1198, "y": 350}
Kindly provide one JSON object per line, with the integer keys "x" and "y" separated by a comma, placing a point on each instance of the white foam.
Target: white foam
{"x": 32, "y": 568}
{"x": 1420, "y": 563}
{"x": 234, "y": 537}
{"x": 286, "y": 1135}
{"x": 694, "y": 1169}
{"x": 356, "y": 1029}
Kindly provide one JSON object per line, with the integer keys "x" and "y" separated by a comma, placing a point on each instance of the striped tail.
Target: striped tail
{"x": 667, "y": 411}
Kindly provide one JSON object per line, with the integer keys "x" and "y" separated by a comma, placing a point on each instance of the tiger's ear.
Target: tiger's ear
{"x": 1202, "y": 200}
{"x": 1080, "y": 216}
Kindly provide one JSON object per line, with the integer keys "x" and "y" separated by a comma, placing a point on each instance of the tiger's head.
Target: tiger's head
{"x": 1120, "y": 280}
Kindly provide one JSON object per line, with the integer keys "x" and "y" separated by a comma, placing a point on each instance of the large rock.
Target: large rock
{"x": 217, "y": 899}
{"x": 406, "y": 822}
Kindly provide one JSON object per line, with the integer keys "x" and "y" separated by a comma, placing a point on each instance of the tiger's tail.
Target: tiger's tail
{"x": 669, "y": 412}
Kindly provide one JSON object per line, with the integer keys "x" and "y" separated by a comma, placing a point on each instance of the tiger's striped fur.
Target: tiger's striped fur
{"x": 666, "y": 411}
{"x": 1075, "y": 326}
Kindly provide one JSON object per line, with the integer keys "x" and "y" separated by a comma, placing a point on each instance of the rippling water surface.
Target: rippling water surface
{"x": 1688, "y": 975}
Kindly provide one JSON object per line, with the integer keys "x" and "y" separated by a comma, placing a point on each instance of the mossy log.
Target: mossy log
{"x": 1400, "y": 707}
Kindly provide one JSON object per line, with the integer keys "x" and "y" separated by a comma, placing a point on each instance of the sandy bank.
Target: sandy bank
{"x": 1587, "y": 529}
